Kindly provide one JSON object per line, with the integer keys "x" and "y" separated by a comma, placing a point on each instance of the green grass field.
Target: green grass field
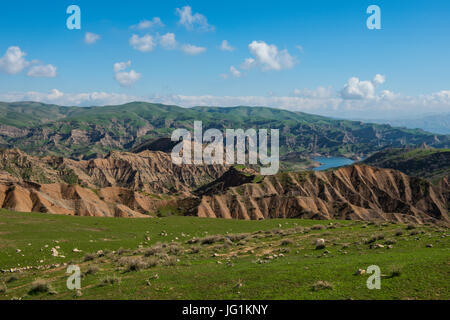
{"x": 192, "y": 258}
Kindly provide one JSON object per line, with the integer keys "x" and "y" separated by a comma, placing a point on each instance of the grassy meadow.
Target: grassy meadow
{"x": 193, "y": 258}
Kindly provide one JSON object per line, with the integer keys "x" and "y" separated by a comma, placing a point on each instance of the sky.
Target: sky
{"x": 312, "y": 56}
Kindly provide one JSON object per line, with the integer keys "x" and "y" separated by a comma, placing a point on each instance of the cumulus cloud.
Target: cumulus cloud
{"x": 193, "y": 21}
{"x": 42, "y": 71}
{"x": 192, "y": 50}
{"x": 168, "y": 41}
{"x": 145, "y": 43}
{"x": 379, "y": 79}
{"x": 225, "y": 46}
{"x": 91, "y": 38}
{"x": 357, "y": 89}
{"x": 13, "y": 61}
{"x": 147, "y": 24}
{"x": 269, "y": 57}
{"x": 124, "y": 78}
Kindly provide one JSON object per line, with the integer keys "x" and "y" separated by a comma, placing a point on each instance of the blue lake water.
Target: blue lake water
{"x": 332, "y": 162}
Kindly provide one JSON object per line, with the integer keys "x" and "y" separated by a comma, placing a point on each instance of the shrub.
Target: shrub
{"x": 122, "y": 251}
{"x": 286, "y": 242}
{"x": 192, "y": 241}
{"x": 398, "y": 233}
{"x": 194, "y": 250}
{"x": 135, "y": 264}
{"x": 175, "y": 249}
{"x": 242, "y": 243}
{"x": 212, "y": 239}
{"x": 157, "y": 248}
{"x": 396, "y": 272}
{"x": 237, "y": 237}
{"x": 318, "y": 227}
{"x": 152, "y": 262}
{"x": 321, "y": 285}
{"x": 169, "y": 261}
{"x": 92, "y": 270}
{"x": 11, "y": 279}
{"x": 109, "y": 280}
{"x": 89, "y": 257}
{"x": 374, "y": 238}
{"x": 3, "y": 288}
{"x": 39, "y": 286}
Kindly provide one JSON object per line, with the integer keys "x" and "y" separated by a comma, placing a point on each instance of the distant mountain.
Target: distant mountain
{"x": 427, "y": 163}
{"x": 439, "y": 123}
{"x": 84, "y": 133}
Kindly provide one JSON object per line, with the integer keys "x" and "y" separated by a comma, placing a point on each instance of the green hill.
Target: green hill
{"x": 426, "y": 163}
{"x": 86, "y": 132}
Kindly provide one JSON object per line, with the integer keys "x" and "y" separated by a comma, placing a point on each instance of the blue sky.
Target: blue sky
{"x": 318, "y": 49}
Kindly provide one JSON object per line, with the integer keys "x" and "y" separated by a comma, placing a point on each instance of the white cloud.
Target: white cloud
{"x": 125, "y": 79}
{"x": 91, "y": 38}
{"x": 55, "y": 94}
{"x": 13, "y": 61}
{"x": 248, "y": 64}
{"x": 193, "y": 21}
{"x": 378, "y": 79}
{"x": 70, "y": 99}
{"x": 168, "y": 41}
{"x": 388, "y": 95}
{"x": 144, "y": 44}
{"x": 42, "y": 71}
{"x": 225, "y": 46}
{"x": 318, "y": 93}
{"x": 235, "y": 72}
{"x": 146, "y": 24}
{"x": 192, "y": 50}
{"x": 357, "y": 89}
{"x": 119, "y": 66}
{"x": 269, "y": 57}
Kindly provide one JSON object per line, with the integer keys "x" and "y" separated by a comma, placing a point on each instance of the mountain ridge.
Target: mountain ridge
{"x": 91, "y": 132}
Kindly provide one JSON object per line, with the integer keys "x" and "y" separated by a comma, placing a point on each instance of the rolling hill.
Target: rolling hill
{"x": 429, "y": 163}
{"x": 83, "y": 133}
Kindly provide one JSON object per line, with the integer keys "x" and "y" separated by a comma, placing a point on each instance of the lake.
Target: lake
{"x": 332, "y": 162}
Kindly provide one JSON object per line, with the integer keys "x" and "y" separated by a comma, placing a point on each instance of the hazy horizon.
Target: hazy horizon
{"x": 318, "y": 58}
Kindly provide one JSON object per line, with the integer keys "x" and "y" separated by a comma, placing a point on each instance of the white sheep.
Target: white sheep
{"x": 320, "y": 243}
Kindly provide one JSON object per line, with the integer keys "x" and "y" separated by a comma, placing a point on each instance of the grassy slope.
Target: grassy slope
{"x": 424, "y": 271}
{"x": 300, "y": 129}
{"x": 427, "y": 163}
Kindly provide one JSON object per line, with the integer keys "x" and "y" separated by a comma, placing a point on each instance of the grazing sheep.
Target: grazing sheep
{"x": 320, "y": 243}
